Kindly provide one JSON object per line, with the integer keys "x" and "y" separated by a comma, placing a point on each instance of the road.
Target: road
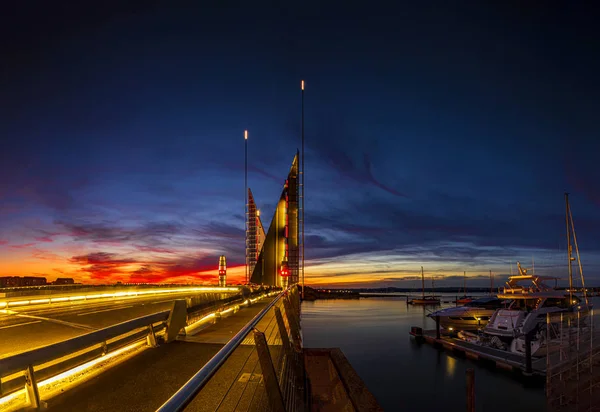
{"x": 25, "y": 328}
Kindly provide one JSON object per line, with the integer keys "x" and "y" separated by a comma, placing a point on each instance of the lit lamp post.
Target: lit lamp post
{"x": 246, "y": 200}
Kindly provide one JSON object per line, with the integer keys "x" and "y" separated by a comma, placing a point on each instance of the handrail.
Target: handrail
{"x": 21, "y": 361}
{"x": 180, "y": 399}
{"x": 75, "y": 296}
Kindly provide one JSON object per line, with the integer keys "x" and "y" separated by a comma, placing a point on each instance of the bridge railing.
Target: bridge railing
{"x": 27, "y": 368}
{"x": 39, "y": 366}
{"x": 90, "y": 295}
{"x": 260, "y": 369}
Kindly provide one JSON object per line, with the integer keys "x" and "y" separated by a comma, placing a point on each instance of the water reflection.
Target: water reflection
{"x": 402, "y": 374}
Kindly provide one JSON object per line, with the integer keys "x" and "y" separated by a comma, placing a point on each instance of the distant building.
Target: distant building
{"x": 10, "y": 281}
{"x": 16, "y": 281}
{"x": 34, "y": 281}
{"x": 64, "y": 281}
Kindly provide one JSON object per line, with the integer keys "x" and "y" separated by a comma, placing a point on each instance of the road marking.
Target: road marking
{"x": 60, "y": 322}
{"x": 104, "y": 310}
{"x": 21, "y": 324}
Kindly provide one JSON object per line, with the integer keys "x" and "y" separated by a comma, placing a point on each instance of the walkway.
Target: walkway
{"x": 146, "y": 381}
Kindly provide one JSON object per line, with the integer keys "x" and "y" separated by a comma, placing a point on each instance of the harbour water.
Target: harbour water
{"x": 404, "y": 375}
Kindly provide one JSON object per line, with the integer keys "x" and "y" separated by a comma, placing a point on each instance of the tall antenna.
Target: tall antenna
{"x": 569, "y": 248}
{"x": 246, "y": 197}
{"x": 302, "y": 183}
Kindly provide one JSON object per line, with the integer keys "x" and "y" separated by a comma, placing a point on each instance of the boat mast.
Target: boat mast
{"x": 569, "y": 249}
{"x": 578, "y": 256}
{"x": 423, "y": 282}
{"x": 465, "y": 282}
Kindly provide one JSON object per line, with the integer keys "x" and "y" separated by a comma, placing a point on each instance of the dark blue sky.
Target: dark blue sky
{"x": 439, "y": 135}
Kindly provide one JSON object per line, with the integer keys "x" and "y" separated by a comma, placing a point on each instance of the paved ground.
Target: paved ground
{"x": 144, "y": 382}
{"x": 26, "y": 328}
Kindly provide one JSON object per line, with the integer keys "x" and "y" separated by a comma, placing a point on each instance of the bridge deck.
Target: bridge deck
{"x": 144, "y": 382}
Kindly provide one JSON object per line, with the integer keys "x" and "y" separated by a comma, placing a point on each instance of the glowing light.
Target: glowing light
{"x": 123, "y": 294}
{"x": 44, "y": 385}
{"x": 34, "y": 302}
{"x": 90, "y": 364}
{"x": 257, "y": 212}
{"x": 245, "y": 134}
{"x": 8, "y": 398}
{"x": 450, "y": 329}
{"x": 19, "y": 302}
{"x": 302, "y": 84}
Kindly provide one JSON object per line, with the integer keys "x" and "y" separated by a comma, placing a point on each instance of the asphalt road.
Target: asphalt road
{"x": 25, "y": 328}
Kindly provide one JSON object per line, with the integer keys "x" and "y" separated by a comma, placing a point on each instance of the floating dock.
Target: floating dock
{"x": 501, "y": 359}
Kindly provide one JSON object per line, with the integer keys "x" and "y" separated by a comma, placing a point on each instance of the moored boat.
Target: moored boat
{"x": 472, "y": 316}
{"x": 424, "y": 300}
{"x": 464, "y": 299}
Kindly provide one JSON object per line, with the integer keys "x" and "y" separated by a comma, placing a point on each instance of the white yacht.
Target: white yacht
{"x": 527, "y": 312}
{"x": 471, "y": 316}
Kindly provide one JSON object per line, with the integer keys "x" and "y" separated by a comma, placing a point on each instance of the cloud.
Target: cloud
{"x": 111, "y": 267}
{"x": 22, "y": 246}
{"x": 153, "y": 233}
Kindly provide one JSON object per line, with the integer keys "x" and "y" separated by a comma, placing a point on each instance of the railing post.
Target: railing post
{"x": 470, "y": 390}
{"x": 269, "y": 375}
{"x": 285, "y": 339}
{"x": 177, "y": 320}
{"x": 293, "y": 323}
{"x": 31, "y": 388}
{"x": 151, "y": 338}
{"x": 528, "y": 368}
{"x": 104, "y": 348}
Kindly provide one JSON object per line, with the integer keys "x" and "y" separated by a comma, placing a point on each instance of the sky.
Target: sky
{"x": 437, "y": 135}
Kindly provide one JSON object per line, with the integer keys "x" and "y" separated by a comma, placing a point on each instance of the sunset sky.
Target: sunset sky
{"x": 435, "y": 137}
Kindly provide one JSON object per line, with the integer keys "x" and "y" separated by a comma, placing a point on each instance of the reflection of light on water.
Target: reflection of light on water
{"x": 451, "y": 366}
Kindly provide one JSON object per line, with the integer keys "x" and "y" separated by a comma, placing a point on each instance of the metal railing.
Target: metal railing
{"x": 51, "y": 360}
{"x": 26, "y": 369}
{"x": 275, "y": 352}
{"x": 97, "y": 296}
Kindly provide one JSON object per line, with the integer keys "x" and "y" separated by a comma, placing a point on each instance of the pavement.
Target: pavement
{"x": 26, "y": 328}
{"x": 146, "y": 381}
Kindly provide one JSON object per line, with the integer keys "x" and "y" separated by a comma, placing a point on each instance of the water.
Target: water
{"x": 404, "y": 375}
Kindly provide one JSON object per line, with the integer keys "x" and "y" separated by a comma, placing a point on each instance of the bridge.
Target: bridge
{"x": 179, "y": 347}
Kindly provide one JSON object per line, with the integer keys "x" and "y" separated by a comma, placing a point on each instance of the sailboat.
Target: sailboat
{"x": 464, "y": 299}
{"x": 424, "y": 300}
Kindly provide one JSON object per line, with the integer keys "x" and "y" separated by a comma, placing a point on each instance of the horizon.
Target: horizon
{"x": 434, "y": 138}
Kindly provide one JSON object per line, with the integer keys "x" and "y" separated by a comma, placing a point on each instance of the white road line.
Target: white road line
{"x": 160, "y": 301}
{"x": 60, "y": 322}
{"x": 104, "y": 310}
{"x": 21, "y": 324}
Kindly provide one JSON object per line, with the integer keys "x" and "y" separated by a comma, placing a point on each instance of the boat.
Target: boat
{"x": 526, "y": 317}
{"x": 473, "y": 315}
{"x": 464, "y": 299}
{"x": 528, "y": 303}
{"x": 425, "y": 300}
